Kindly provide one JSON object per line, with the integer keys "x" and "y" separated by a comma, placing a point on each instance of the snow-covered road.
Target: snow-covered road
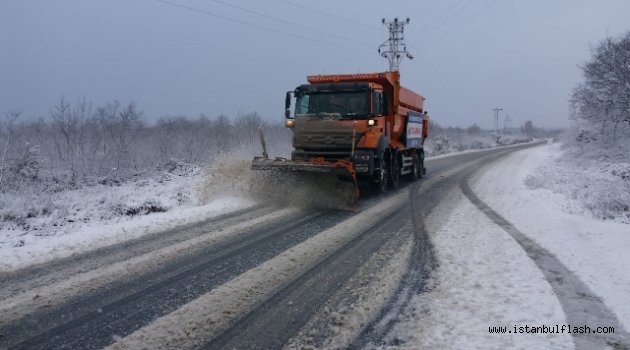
{"x": 432, "y": 265}
{"x": 511, "y": 256}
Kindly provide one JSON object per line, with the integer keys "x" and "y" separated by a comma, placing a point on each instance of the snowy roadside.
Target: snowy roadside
{"x": 486, "y": 279}
{"x": 102, "y": 215}
{"x": 455, "y": 153}
{"x": 483, "y": 279}
{"x": 596, "y": 250}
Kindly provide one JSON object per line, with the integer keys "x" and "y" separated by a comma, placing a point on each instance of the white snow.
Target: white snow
{"x": 360, "y": 299}
{"x": 204, "y": 317}
{"x": 23, "y": 302}
{"x": 44, "y": 226}
{"x": 596, "y": 250}
{"x": 38, "y": 249}
{"x": 455, "y": 153}
{"x": 193, "y": 323}
{"x": 485, "y": 278}
{"x": 96, "y": 216}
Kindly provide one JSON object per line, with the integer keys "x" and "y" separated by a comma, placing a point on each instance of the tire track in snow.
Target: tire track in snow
{"x": 423, "y": 260}
{"x": 106, "y": 311}
{"x": 580, "y": 305}
{"x": 14, "y": 282}
{"x": 207, "y": 317}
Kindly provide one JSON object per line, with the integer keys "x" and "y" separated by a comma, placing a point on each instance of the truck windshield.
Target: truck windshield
{"x": 347, "y": 104}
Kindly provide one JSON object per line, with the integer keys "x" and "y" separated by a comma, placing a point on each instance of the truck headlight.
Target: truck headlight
{"x": 362, "y": 157}
{"x": 289, "y": 123}
{"x": 371, "y": 122}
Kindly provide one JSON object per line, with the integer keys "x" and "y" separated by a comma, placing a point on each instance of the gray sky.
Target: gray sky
{"x": 471, "y": 55}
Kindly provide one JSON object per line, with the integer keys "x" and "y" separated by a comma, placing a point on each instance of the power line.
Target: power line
{"x": 453, "y": 15}
{"x": 208, "y": 13}
{"x": 291, "y": 23}
{"x": 461, "y": 24}
{"x": 444, "y": 80}
{"x": 329, "y": 14}
{"x": 442, "y": 77}
{"x": 440, "y": 88}
{"x": 437, "y": 18}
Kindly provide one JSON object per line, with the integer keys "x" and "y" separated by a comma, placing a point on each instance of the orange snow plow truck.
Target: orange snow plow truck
{"x": 364, "y": 130}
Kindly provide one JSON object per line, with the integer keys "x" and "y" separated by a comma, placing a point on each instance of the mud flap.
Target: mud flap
{"x": 314, "y": 182}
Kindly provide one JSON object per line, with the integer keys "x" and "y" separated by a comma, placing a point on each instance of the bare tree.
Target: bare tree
{"x": 528, "y": 128}
{"x": 604, "y": 97}
{"x": 70, "y": 121}
{"x": 9, "y": 125}
{"x": 80, "y": 145}
{"x": 127, "y": 129}
{"x": 246, "y": 126}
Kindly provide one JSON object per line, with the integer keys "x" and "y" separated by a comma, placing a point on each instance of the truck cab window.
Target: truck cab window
{"x": 302, "y": 106}
{"x": 346, "y": 104}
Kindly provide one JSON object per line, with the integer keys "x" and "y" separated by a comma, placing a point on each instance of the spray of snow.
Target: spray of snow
{"x": 233, "y": 176}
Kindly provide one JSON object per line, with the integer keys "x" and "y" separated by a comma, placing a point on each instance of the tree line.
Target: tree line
{"x": 78, "y": 143}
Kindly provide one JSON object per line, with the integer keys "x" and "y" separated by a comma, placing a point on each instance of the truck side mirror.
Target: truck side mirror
{"x": 377, "y": 103}
{"x": 287, "y": 105}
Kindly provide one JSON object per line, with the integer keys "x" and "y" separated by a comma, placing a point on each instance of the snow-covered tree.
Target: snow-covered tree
{"x": 601, "y": 104}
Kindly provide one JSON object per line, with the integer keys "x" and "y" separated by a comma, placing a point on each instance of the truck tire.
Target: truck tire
{"x": 393, "y": 180}
{"x": 379, "y": 183}
{"x": 416, "y": 168}
{"x": 419, "y": 168}
{"x": 422, "y": 167}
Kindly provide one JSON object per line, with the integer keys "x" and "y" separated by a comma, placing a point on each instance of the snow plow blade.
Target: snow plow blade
{"x": 332, "y": 183}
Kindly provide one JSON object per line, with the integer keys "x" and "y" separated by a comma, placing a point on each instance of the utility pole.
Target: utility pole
{"x": 394, "y": 49}
{"x": 496, "y": 122}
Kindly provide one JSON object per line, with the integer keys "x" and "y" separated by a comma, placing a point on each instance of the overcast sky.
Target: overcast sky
{"x": 214, "y": 58}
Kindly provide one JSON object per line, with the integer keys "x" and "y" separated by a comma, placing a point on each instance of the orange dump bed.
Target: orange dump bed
{"x": 410, "y": 99}
{"x": 382, "y": 78}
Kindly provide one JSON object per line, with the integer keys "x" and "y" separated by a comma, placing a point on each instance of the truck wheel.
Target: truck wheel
{"x": 379, "y": 184}
{"x": 419, "y": 168}
{"x": 416, "y": 168}
{"x": 423, "y": 169}
{"x": 394, "y": 173}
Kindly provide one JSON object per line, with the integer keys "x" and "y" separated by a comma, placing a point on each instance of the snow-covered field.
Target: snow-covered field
{"x": 596, "y": 180}
{"x": 96, "y": 216}
{"x": 486, "y": 279}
